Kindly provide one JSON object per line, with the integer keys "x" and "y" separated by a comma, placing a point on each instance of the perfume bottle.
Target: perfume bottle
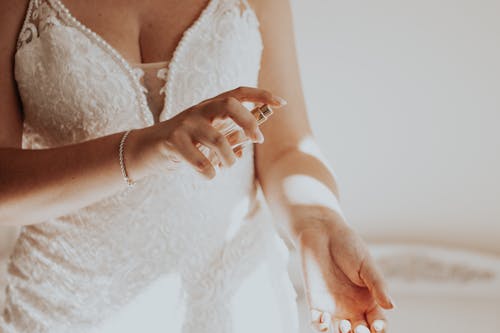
{"x": 234, "y": 134}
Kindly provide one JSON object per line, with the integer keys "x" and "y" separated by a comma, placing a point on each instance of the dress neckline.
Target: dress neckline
{"x": 127, "y": 66}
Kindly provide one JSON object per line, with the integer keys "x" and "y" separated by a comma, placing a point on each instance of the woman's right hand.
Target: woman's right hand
{"x": 176, "y": 138}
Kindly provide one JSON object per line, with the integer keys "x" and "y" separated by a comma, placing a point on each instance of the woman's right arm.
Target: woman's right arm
{"x": 36, "y": 185}
{"x": 39, "y": 184}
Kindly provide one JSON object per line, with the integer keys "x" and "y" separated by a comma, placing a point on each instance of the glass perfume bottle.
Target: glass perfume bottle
{"x": 234, "y": 133}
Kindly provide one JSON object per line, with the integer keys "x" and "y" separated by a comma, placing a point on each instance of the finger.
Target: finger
{"x": 374, "y": 281}
{"x": 211, "y": 138}
{"x": 238, "y": 151}
{"x": 379, "y": 326}
{"x": 376, "y": 320}
{"x": 359, "y": 325}
{"x": 192, "y": 155}
{"x": 344, "y": 326}
{"x": 326, "y": 321}
{"x": 231, "y": 107}
{"x": 250, "y": 94}
{"x": 319, "y": 327}
{"x": 236, "y": 138}
{"x": 321, "y": 321}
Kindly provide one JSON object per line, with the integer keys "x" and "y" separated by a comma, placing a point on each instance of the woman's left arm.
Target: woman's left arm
{"x": 340, "y": 276}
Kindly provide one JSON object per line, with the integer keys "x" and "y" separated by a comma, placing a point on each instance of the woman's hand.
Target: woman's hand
{"x": 176, "y": 139}
{"x": 344, "y": 287}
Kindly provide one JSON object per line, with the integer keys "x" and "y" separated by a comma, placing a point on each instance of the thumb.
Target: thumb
{"x": 374, "y": 281}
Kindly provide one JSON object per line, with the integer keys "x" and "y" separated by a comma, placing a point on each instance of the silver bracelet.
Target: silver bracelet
{"x": 129, "y": 182}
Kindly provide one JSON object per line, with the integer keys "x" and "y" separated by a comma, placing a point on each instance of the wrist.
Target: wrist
{"x": 137, "y": 155}
{"x": 317, "y": 219}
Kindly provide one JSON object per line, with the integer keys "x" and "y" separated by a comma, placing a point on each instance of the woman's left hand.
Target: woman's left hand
{"x": 345, "y": 289}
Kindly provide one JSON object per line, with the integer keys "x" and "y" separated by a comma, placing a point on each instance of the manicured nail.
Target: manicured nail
{"x": 324, "y": 327}
{"x": 361, "y": 329}
{"x": 326, "y": 318}
{"x": 378, "y": 325}
{"x": 391, "y": 300}
{"x": 315, "y": 315}
{"x": 345, "y": 326}
{"x": 259, "y": 136}
{"x": 281, "y": 101}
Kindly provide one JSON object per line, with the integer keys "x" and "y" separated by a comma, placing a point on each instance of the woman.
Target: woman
{"x": 103, "y": 110}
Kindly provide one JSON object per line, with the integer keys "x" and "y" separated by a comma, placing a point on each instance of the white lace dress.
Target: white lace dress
{"x": 71, "y": 273}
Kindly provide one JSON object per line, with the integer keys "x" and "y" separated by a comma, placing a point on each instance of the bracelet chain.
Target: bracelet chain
{"x": 129, "y": 182}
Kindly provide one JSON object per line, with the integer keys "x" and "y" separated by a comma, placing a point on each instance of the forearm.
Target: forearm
{"x": 36, "y": 185}
{"x": 301, "y": 190}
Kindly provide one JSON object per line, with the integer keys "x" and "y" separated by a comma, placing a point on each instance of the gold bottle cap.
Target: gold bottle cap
{"x": 266, "y": 110}
{"x": 262, "y": 113}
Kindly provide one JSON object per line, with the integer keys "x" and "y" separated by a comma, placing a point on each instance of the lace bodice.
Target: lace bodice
{"x": 69, "y": 273}
{"x": 153, "y": 77}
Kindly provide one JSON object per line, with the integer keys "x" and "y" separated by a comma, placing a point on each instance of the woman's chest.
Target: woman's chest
{"x": 142, "y": 31}
{"x": 75, "y": 85}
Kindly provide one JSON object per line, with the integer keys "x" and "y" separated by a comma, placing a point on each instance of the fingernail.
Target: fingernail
{"x": 361, "y": 329}
{"x": 324, "y": 327}
{"x": 281, "y": 101}
{"x": 325, "y": 318}
{"x": 378, "y": 325}
{"x": 345, "y": 326}
{"x": 391, "y": 300}
{"x": 315, "y": 315}
{"x": 259, "y": 136}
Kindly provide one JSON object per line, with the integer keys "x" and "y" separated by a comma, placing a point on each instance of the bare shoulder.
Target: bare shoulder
{"x": 12, "y": 14}
{"x": 262, "y": 5}
{"x": 275, "y": 17}
{"x": 268, "y": 10}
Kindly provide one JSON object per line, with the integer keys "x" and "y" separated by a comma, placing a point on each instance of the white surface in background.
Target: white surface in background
{"x": 404, "y": 97}
{"x": 451, "y": 315}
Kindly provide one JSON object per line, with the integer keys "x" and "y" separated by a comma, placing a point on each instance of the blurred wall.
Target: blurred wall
{"x": 404, "y": 97}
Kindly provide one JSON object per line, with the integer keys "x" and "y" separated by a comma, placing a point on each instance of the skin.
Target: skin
{"x": 38, "y": 185}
